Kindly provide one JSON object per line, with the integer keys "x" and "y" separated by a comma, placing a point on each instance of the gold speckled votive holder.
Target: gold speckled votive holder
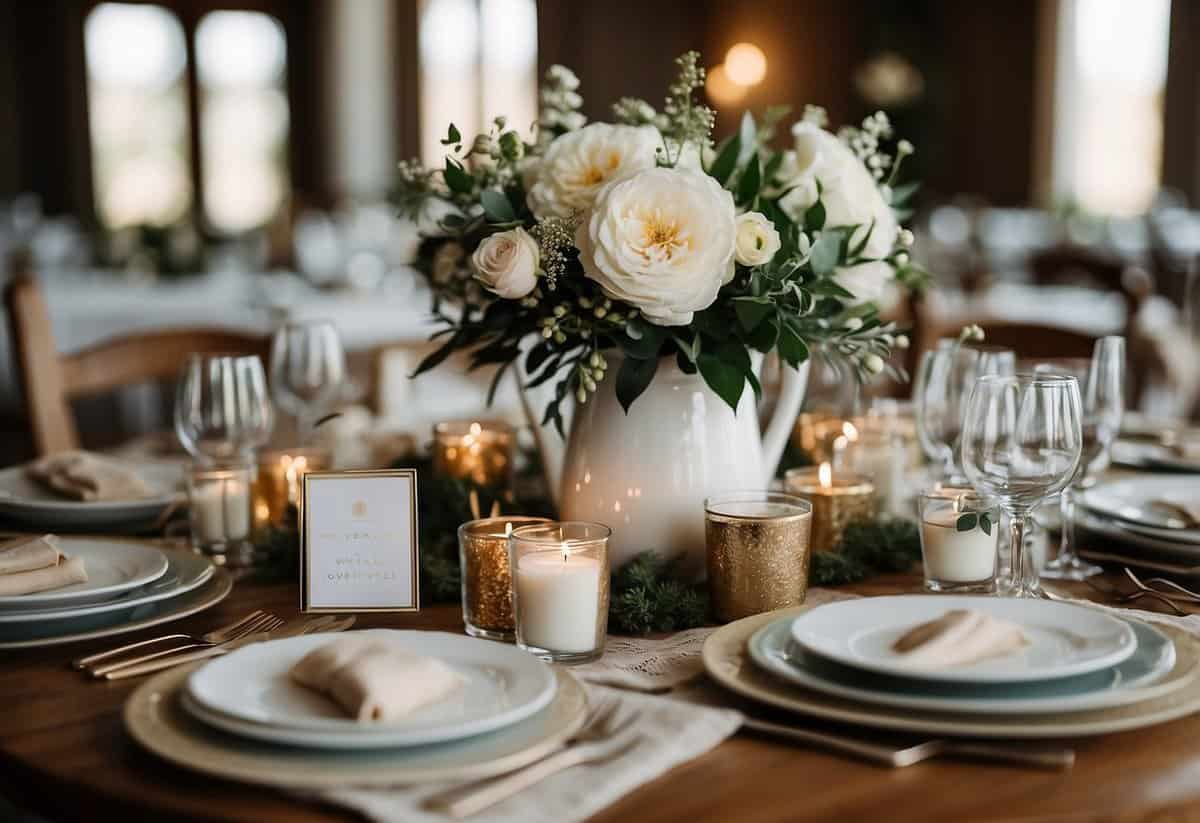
{"x": 486, "y": 580}
{"x": 758, "y": 550}
{"x": 837, "y": 500}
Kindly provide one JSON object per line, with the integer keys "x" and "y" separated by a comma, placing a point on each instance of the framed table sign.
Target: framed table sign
{"x": 358, "y": 541}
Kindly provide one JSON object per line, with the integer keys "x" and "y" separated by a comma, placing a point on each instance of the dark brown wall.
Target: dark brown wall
{"x": 1181, "y": 115}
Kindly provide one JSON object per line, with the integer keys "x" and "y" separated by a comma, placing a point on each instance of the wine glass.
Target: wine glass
{"x": 1103, "y": 403}
{"x": 222, "y": 411}
{"x": 307, "y": 369}
{"x": 944, "y": 382}
{"x": 1021, "y": 443}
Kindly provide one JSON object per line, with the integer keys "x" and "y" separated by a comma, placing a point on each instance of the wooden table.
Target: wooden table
{"x": 64, "y": 755}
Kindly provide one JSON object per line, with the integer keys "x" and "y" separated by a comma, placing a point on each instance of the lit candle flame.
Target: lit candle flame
{"x": 849, "y": 431}
{"x": 825, "y": 476}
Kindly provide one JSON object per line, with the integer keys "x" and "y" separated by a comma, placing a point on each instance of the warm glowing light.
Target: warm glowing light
{"x": 508, "y": 529}
{"x": 825, "y": 476}
{"x": 720, "y": 89}
{"x": 850, "y": 431}
{"x": 745, "y": 64}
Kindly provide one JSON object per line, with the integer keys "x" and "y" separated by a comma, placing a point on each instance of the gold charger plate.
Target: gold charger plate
{"x": 76, "y": 630}
{"x": 728, "y": 663}
{"x": 157, "y": 721}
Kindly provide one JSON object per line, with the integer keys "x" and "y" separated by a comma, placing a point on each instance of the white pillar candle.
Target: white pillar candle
{"x": 558, "y": 600}
{"x": 236, "y": 498}
{"x": 954, "y": 556}
{"x": 208, "y": 513}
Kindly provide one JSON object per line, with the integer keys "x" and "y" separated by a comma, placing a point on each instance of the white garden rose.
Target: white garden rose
{"x": 662, "y": 240}
{"x": 848, "y": 192}
{"x": 866, "y": 281}
{"x": 757, "y": 240}
{"x": 578, "y": 164}
{"x": 506, "y": 263}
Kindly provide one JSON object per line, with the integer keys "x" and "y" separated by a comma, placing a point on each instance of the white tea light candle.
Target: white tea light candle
{"x": 219, "y": 506}
{"x": 560, "y": 589}
{"x": 959, "y": 537}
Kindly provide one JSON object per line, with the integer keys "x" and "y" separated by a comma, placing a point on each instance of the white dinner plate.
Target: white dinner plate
{"x": 1136, "y": 678}
{"x": 155, "y": 719}
{"x": 251, "y": 693}
{"x": 1065, "y": 639}
{"x": 1152, "y": 456}
{"x": 727, "y": 662}
{"x": 27, "y": 502}
{"x": 113, "y": 568}
{"x": 1131, "y": 500}
{"x": 1163, "y": 542}
{"x": 185, "y": 571}
{"x": 120, "y": 621}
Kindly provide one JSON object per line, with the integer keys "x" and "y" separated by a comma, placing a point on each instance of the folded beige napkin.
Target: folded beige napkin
{"x": 27, "y": 553}
{"x": 958, "y": 638}
{"x": 374, "y": 681}
{"x": 84, "y": 476}
{"x": 69, "y": 571}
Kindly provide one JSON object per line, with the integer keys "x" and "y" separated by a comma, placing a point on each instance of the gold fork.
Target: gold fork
{"x": 262, "y": 622}
{"x": 601, "y": 739}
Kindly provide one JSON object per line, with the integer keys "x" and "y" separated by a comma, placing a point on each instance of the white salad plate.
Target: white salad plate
{"x": 1132, "y": 500}
{"x": 26, "y": 501}
{"x": 1064, "y": 639}
{"x": 1139, "y": 677}
{"x": 185, "y": 571}
{"x": 113, "y": 568}
{"x": 250, "y": 693}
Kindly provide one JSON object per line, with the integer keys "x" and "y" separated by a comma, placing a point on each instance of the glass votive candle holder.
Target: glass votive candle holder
{"x": 758, "y": 549}
{"x": 959, "y": 538}
{"x": 281, "y": 479}
{"x": 480, "y": 451}
{"x": 486, "y": 581}
{"x": 560, "y": 589}
{"x": 837, "y": 498}
{"x": 219, "y": 513}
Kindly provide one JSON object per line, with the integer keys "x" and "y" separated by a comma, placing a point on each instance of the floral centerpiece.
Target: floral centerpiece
{"x": 637, "y": 243}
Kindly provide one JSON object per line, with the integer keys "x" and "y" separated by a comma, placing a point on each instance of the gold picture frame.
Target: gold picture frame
{"x": 312, "y": 478}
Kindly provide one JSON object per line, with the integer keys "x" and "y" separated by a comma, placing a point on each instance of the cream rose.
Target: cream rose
{"x": 506, "y": 263}
{"x": 662, "y": 240}
{"x": 578, "y": 164}
{"x": 866, "y": 281}
{"x": 757, "y": 240}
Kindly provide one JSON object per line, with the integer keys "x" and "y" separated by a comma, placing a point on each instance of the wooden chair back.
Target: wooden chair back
{"x": 1073, "y": 265}
{"x": 50, "y": 380}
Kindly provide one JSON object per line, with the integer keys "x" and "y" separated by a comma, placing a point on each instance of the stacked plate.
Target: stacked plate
{"x": 241, "y": 716}
{"x": 27, "y": 503}
{"x": 130, "y": 586}
{"x": 1143, "y": 521}
{"x": 1084, "y": 671}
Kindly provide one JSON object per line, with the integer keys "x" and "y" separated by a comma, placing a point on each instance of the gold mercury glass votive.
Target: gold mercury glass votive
{"x": 486, "y": 580}
{"x": 758, "y": 551}
{"x": 281, "y": 478}
{"x": 477, "y": 450}
{"x": 837, "y": 500}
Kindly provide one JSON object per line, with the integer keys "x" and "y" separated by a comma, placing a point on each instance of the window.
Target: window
{"x": 478, "y": 60}
{"x": 141, "y": 129}
{"x": 1110, "y": 78}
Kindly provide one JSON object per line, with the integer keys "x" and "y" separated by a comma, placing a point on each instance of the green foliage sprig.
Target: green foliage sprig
{"x": 868, "y": 547}
{"x": 647, "y": 595}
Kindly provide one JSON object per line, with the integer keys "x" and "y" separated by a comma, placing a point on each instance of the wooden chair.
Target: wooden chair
{"x": 50, "y": 380}
{"x": 1077, "y": 266}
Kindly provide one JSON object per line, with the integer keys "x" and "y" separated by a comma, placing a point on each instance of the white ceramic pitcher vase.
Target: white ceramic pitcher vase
{"x": 646, "y": 474}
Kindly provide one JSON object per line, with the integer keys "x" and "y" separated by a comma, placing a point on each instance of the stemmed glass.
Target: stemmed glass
{"x": 1103, "y": 403}
{"x": 222, "y": 411}
{"x": 944, "y": 382}
{"x": 1021, "y": 443}
{"x": 307, "y": 369}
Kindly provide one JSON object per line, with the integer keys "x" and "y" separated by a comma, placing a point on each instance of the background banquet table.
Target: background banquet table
{"x": 64, "y": 754}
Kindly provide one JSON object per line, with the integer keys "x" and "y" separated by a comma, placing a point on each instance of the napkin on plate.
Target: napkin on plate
{"x": 84, "y": 476}
{"x": 36, "y": 564}
{"x": 373, "y": 680}
{"x": 958, "y": 638}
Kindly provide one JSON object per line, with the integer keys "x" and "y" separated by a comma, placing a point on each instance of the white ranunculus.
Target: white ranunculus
{"x": 578, "y": 164}
{"x": 848, "y": 192}
{"x": 866, "y": 281}
{"x": 506, "y": 263}
{"x": 661, "y": 240}
{"x": 757, "y": 240}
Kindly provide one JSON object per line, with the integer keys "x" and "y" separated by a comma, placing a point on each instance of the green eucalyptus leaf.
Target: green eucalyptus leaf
{"x": 814, "y": 217}
{"x": 725, "y": 378}
{"x": 902, "y": 193}
{"x": 985, "y": 523}
{"x": 765, "y": 337}
{"x": 750, "y": 183}
{"x": 792, "y": 347}
{"x": 452, "y": 136}
{"x": 457, "y": 178}
{"x": 751, "y": 311}
{"x": 648, "y": 345}
{"x": 966, "y": 522}
{"x": 826, "y": 252}
{"x": 497, "y": 206}
{"x": 632, "y": 379}
{"x": 726, "y": 160}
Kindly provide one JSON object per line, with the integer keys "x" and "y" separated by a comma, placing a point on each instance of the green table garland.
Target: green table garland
{"x": 647, "y": 594}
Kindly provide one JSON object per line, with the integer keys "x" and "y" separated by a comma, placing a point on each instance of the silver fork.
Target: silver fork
{"x": 263, "y": 623}
{"x": 215, "y": 636}
{"x": 900, "y": 758}
{"x": 1183, "y": 594}
{"x": 1120, "y": 597}
{"x": 601, "y": 739}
